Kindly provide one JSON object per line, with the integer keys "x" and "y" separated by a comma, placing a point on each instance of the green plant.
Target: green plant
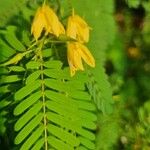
{"x": 41, "y": 105}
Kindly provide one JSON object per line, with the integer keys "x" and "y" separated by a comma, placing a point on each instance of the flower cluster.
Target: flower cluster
{"x": 77, "y": 29}
{"x": 46, "y": 19}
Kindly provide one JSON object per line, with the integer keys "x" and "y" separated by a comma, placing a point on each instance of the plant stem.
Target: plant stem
{"x": 44, "y": 2}
{"x": 43, "y": 97}
{"x": 70, "y": 7}
{"x": 59, "y": 7}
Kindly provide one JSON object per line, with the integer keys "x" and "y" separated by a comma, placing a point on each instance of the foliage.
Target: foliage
{"x": 41, "y": 105}
{"x": 101, "y": 108}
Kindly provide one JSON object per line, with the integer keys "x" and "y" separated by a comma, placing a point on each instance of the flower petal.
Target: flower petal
{"x": 70, "y": 56}
{"x": 71, "y": 28}
{"x": 45, "y": 18}
{"x": 61, "y": 29}
{"x": 74, "y": 58}
{"x": 78, "y": 29}
{"x": 54, "y": 26}
{"x": 83, "y": 29}
{"x": 86, "y": 55}
{"x": 38, "y": 24}
{"x": 77, "y": 60}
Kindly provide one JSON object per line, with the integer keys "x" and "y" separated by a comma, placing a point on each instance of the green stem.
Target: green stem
{"x": 56, "y": 52}
{"x": 70, "y": 7}
{"x": 59, "y": 7}
{"x": 44, "y": 2}
{"x": 43, "y": 97}
{"x": 67, "y": 39}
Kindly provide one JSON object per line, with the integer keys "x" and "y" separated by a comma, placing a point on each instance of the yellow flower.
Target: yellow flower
{"x": 78, "y": 29}
{"x": 46, "y": 19}
{"x": 76, "y": 52}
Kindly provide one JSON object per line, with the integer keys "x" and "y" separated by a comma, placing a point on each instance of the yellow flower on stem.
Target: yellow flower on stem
{"x": 76, "y": 52}
{"x": 77, "y": 28}
{"x": 46, "y": 19}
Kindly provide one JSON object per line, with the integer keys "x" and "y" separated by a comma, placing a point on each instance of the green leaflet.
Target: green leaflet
{"x": 81, "y": 148}
{"x": 62, "y": 121}
{"x": 87, "y": 143}
{"x": 61, "y": 99}
{"x": 77, "y": 84}
{"x": 57, "y": 85}
{"x": 4, "y": 89}
{"x": 2, "y": 124}
{"x": 4, "y": 103}
{"x": 59, "y": 74}
{"x": 27, "y": 116}
{"x": 64, "y": 135}
{"x": 14, "y": 60}
{"x": 28, "y": 128}
{"x": 87, "y": 115}
{"x": 6, "y": 51}
{"x": 58, "y": 144}
{"x": 86, "y": 134}
{"x": 32, "y": 139}
{"x": 25, "y": 38}
{"x": 32, "y": 77}
{"x": 73, "y": 124}
{"x": 53, "y": 64}
{"x": 9, "y": 79}
{"x": 53, "y": 106}
{"x": 11, "y": 38}
{"x": 63, "y": 86}
{"x": 55, "y": 73}
{"x": 38, "y": 145}
{"x": 25, "y": 104}
{"x": 33, "y": 65}
{"x": 28, "y": 89}
{"x": 85, "y": 105}
{"x": 100, "y": 89}
{"x": 16, "y": 69}
{"x": 87, "y": 124}
{"x": 82, "y": 96}
{"x": 47, "y": 52}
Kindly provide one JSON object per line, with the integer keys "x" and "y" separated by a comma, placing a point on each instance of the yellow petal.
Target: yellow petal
{"x": 74, "y": 58}
{"x": 86, "y": 55}
{"x": 83, "y": 28}
{"x": 71, "y": 28}
{"x": 84, "y": 34}
{"x": 70, "y": 56}
{"x": 38, "y": 24}
{"x": 61, "y": 29}
{"x": 45, "y": 18}
{"x": 54, "y": 26}
{"x": 77, "y": 60}
{"x": 78, "y": 29}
